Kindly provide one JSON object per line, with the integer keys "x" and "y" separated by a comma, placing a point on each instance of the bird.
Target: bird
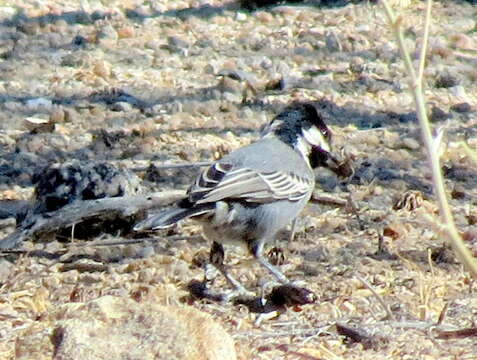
{"x": 249, "y": 195}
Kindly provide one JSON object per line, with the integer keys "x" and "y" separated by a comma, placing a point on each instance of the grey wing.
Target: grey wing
{"x": 223, "y": 181}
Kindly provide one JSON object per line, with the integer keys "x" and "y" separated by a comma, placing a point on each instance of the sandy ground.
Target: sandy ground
{"x": 136, "y": 81}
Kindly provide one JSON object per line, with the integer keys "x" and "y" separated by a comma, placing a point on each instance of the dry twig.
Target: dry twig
{"x": 81, "y": 210}
{"x": 390, "y": 315}
{"x": 172, "y": 166}
{"x": 139, "y": 241}
{"x": 359, "y": 335}
{"x": 416, "y": 85}
{"x": 327, "y": 199}
{"x": 456, "y": 334}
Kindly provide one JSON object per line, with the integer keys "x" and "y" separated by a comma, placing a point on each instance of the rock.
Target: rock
{"x": 39, "y": 104}
{"x": 387, "y": 52}
{"x": 11, "y": 105}
{"x": 107, "y": 36}
{"x": 266, "y": 63}
{"x": 333, "y": 43}
{"x": 176, "y": 44}
{"x": 7, "y": 11}
{"x": 209, "y": 69}
{"x": 121, "y": 106}
{"x": 6, "y": 267}
{"x": 447, "y": 80}
{"x": 461, "y": 107}
{"x": 459, "y": 91}
{"x": 357, "y": 65}
{"x": 437, "y": 114}
{"x": 264, "y": 17}
{"x": 79, "y": 41}
{"x": 55, "y": 40}
{"x": 364, "y": 28}
{"x": 29, "y": 28}
{"x": 154, "y": 45}
{"x": 410, "y": 143}
{"x": 240, "y": 16}
{"x": 126, "y": 32}
{"x": 459, "y": 192}
{"x": 57, "y": 115}
{"x": 70, "y": 115}
{"x": 39, "y": 125}
{"x": 115, "y": 327}
{"x": 102, "y": 69}
{"x": 62, "y": 184}
{"x": 462, "y": 41}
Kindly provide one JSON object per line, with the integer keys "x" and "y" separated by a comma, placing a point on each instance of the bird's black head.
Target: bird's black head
{"x": 302, "y": 127}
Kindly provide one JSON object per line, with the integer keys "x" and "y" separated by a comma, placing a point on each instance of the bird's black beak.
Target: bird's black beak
{"x": 320, "y": 157}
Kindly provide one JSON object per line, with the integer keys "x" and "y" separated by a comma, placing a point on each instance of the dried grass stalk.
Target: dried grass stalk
{"x": 431, "y": 144}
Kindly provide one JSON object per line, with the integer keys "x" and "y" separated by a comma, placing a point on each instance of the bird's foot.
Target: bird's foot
{"x": 200, "y": 290}
{"x": 239, "y": 293}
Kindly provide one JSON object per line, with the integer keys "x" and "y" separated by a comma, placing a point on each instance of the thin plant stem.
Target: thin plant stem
{"x": 456, "y": 241}
{"x": 425, "y": 40}
{"x": 389, "y": 313}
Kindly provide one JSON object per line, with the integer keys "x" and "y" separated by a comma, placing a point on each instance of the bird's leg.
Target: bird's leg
{"x": 256, "y": 248}
{"x": 293, "y": 229}
{"x": 217, "y": 255}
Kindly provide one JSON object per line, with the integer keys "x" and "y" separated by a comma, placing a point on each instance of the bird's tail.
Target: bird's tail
{"x": 169, "y": 217}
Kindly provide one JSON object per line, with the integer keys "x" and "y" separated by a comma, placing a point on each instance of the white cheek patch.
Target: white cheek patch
{"x": 304, "y": 148}
{"x": 315, "y": 137}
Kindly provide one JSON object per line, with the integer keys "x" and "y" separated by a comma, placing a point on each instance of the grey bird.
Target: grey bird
{"x": 249, "y": 195}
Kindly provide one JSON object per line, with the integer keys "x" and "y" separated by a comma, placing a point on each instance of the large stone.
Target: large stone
{"x": 118, "y": 328}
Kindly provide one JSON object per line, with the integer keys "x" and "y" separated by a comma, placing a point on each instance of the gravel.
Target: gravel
{"x": 130, "y": 82}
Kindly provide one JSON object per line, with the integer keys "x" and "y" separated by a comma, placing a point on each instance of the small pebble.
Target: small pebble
{"x": 39, "y": 104}
{"x": 462, "y": 41}
{"x": 29, "y": 28}
{"x": 333, "y": 44}
{"x": 126, "y": 32}
{"x": 240, "y": 16}
{"x": 57, "y": 115}
{"x": 458, "y": 192}
{"x": 437, "y": 114}
{"x": 122, "y": 106}
{"x": 209, "y": 69}
{"x": 102, "y": 68}
{"x": 461, "y": 107}
{"x": 107, "y": 36}
{"x": 7, "y": 11}
{"x": 266, "y": 63}
{"x": 264, "y": 17}
{"x": 79, "y": 41}
{"x": 372, "y": 139}
{"x": 365, "y": 28}
{"x": 287, "y": 11}
{"x": 70, "y": 115}
{"x": 39, "y": 125}
{"x": 11, "y": 105}
{"x": 458, "y": 91}
{"x": 357, "y": 65}
{"x": 447, "y": 80}
{"x": 410, "y": 143}
{"x": 177, "y": 44}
